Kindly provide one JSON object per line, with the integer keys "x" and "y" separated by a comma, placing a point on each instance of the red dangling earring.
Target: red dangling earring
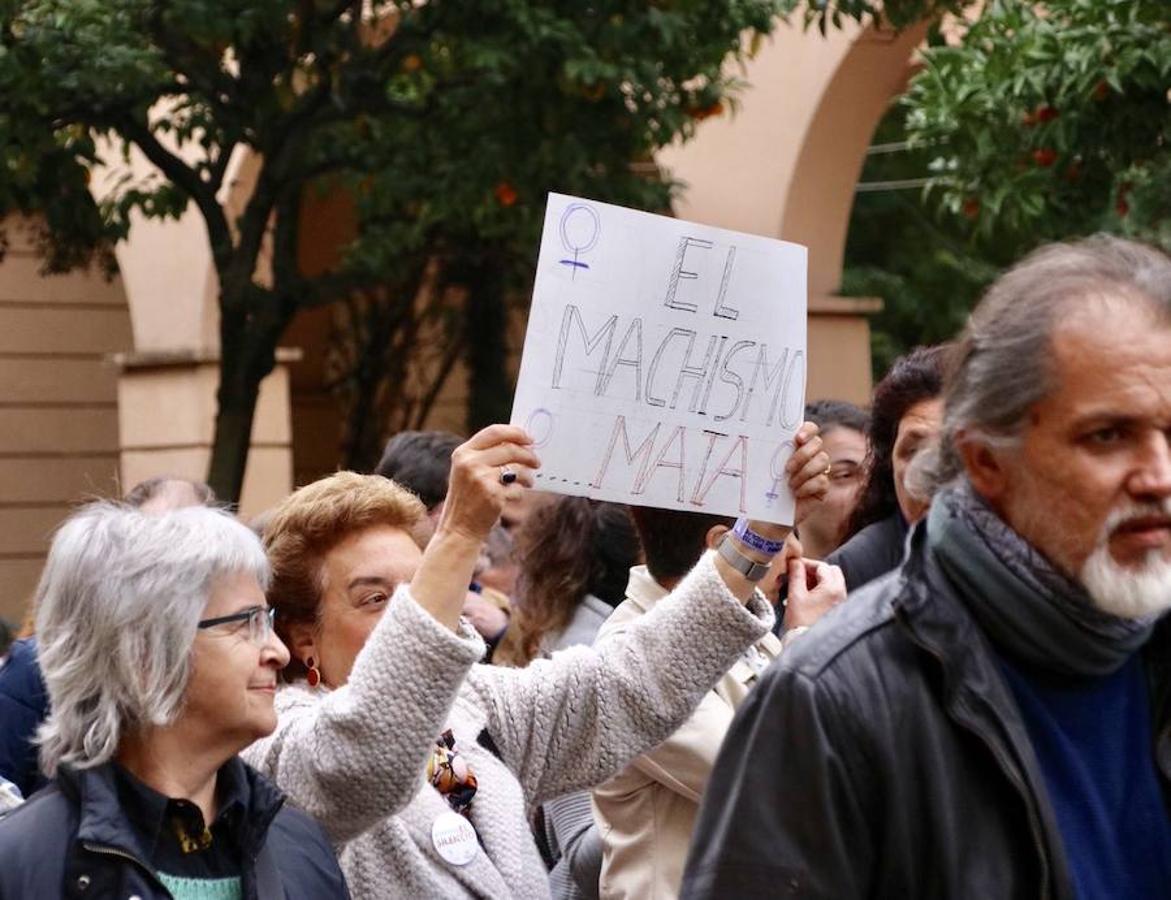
{"x": 314, "y": 674}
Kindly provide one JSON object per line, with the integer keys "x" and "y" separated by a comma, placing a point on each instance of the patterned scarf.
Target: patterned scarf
{"x": 1027, "y": 607}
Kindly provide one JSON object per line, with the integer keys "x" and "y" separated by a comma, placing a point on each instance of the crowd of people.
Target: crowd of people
{"x": 951, "y": 677}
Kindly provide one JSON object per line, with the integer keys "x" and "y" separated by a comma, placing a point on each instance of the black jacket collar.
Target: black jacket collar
{"x": 976, "y": 696}
{"x": 104, "y": 822}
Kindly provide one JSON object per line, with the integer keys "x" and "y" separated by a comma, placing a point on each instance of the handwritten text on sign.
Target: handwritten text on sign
{"x": 664, "y": 363}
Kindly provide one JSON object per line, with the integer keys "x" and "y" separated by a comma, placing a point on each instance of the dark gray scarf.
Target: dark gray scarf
{"x": 1028, "y": 608}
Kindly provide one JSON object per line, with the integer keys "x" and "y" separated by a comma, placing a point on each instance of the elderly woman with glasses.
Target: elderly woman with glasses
{"x": 161, "y": 664}
{"x": 423, "y": 767}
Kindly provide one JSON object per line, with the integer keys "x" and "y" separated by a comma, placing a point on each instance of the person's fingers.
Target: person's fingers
{"x": 806, "y": 433}
{"x": 503, "y": 454}
{"x": 831, "y": 582}
{"x": 808, "y": 493}
{"x": 478, "y": 493}
{"x": 798, "y": 586}
{"x": 497, "y": 434}
{"x": 814, "y": 468}
{"x": 810, "y": 576}
{"x": 524, "y": 481}
{"x": 812, "y": 491}
{"x": 803, "y": 454}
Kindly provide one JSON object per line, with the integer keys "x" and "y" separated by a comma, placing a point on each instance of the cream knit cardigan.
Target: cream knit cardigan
{"x": 354, "y": 757}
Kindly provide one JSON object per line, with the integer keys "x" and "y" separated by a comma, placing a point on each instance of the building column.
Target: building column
{"x": 166, "y": 416}
{"x": 839, "y": 348}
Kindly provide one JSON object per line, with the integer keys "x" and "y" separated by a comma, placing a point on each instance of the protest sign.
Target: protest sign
{"x": 664, "y": 363}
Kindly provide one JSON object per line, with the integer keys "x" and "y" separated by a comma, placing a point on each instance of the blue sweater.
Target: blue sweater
{"x": 1092, "y": 738}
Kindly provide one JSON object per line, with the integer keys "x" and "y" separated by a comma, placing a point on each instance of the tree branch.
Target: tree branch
{"x": 187, "y": 179}
{"x": 446, "y": 364}
{"x": 307, "y": 105}
{"x": 237, "y": 272}
{"x": 328, "y": 288}
{"x": 286, "y": 270}
{"x": 179, "y": 52}
{"x": 219, "y": 168}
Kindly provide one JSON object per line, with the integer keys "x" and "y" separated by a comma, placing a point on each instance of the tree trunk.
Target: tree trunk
{"x": 247, "y": 355}
{"x": 232, "y": 439}
{"x": 376, "y": 364}
{"x": 486, "y": 347}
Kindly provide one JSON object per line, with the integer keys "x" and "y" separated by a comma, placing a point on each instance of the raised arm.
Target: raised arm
{"x": 569, "y": 722}
{"x": 350, "y": 751}
{"x": 574, "y": 720}
{"x": 475, "y": 499}
{"x": 808, "y": 476}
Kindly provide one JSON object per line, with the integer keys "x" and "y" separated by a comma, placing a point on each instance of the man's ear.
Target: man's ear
{"x": 985, "y": 468}
{"x": 712, "y": 539}
{"x": 303, "y": 641}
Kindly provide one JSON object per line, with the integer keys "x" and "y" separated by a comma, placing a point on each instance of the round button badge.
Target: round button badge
{"x": 454, "y": 839}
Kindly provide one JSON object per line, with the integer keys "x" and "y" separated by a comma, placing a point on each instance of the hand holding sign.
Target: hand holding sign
{"x": 808, "y": 481}
{"x": 806, "y": 476}
{"x": 664, "y": 363}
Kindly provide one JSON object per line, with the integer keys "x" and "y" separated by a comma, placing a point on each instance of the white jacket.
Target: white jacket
{"x": 646, "y": 813}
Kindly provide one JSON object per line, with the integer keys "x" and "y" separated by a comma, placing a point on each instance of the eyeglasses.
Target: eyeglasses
{"x": 259, "y": 618}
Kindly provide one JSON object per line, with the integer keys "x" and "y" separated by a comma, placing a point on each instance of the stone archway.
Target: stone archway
{"x": 170, "y": 373}
{"x": 787, "y": 162}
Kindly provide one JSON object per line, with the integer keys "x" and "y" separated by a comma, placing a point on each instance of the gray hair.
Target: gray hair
{"x": 1001, "y": 366}
{"x": 117, "y": 608}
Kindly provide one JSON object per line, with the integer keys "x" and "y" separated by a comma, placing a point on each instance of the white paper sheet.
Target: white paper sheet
{"x": 664, "y": 363}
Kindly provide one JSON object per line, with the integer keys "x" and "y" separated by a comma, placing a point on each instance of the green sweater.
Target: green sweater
{"x": 202, "y": 888}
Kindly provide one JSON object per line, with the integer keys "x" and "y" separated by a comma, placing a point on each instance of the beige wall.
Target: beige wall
{"x": 786, "y": 165}
{"x": 105, "y": 383}
{"x": 166, "y": 404}
{"x": 58, "y": 404}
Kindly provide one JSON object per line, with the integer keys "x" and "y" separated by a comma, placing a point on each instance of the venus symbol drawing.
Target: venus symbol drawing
{"x": 580, "y": 229}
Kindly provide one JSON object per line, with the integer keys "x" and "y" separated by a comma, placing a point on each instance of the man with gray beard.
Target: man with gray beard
{"x": 994, "y": 718}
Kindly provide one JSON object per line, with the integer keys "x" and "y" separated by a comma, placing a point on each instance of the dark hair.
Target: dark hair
{"x": 830, "y": 414}
{"x": 913, "y": 378}
{"x": 565, "y": 549}
{"x": 673, "y": 539}
{"x": 420, "y": 461}
{"x": 145, "y": 490}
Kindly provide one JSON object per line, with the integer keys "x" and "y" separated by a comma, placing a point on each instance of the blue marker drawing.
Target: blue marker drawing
{"x": 586, "y": 231}
{"x": 540, "y": 427}
{"x": 777, "y": 470}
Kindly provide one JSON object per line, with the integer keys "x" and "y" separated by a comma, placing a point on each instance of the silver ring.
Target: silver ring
{"x": 507, "y": 476}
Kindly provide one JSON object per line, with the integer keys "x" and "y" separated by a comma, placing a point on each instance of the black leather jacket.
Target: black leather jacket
{"x": 871, "y": 553}
{"x": 883, "y": 756}
{"x": 72, "y": 839}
